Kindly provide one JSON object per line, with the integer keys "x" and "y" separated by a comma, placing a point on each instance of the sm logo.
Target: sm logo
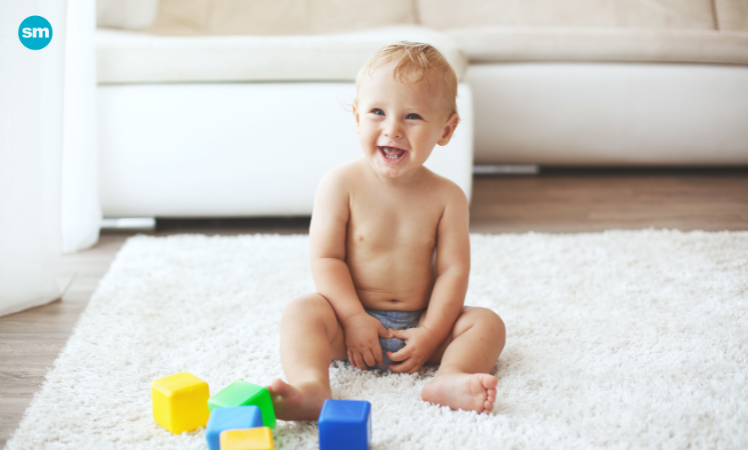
{"x": 35, "y": 32}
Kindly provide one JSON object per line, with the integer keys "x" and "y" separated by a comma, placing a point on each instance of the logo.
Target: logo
{"x": 35, "y": 32}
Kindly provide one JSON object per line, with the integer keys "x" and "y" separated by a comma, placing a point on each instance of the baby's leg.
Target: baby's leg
{"x": 310, "y": 338}
{"x": 463, "y": 380}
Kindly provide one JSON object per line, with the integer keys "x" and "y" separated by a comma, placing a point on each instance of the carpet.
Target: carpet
{"x": 621, "y": 339}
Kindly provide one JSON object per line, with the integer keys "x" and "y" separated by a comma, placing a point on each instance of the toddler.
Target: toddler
{"x": 390, "y": 252}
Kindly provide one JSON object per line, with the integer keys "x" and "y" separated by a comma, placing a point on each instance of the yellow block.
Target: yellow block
{"x": 247, "y": 439}
{"x": 180, "y": 402}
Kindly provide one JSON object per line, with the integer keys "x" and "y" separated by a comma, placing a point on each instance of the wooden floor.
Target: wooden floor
{"x": 570, "y": 201}
{"x": 558, "y": 201}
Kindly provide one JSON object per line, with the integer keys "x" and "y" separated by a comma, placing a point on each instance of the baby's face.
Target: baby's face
{"x": 399, "y": 125}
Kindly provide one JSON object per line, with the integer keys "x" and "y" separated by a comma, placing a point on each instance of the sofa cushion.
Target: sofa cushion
{"x": 496, "y": 44}
{"x": 277, "y": 17}
{"x": 689, "y": 14}
{"x": 732, "y": 15}
{"x": 127, "y": 57}
{"x": 127, "y": 14}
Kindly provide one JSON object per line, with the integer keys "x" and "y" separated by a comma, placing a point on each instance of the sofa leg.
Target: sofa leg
{"x": 502, "y": 169}
{"x": 129, "y": 223}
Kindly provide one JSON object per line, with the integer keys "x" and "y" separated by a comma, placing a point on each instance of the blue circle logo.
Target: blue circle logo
{"x": 35, "y": 32}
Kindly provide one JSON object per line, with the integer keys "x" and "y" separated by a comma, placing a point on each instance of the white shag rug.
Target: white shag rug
{"x": 622, "y": 339}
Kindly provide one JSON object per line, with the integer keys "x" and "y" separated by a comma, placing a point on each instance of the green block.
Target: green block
{"x": 241, "y": 393}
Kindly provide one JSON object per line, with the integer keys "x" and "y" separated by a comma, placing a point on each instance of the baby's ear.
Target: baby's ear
{"x": 354, "y": 108}
{"x": 449, "y": 129}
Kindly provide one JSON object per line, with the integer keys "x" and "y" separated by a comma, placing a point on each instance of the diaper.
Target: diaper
{"x": 397, "y": 320}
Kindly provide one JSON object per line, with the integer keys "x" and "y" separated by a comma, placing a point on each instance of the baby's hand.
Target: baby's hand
{"x": 420, "y": 343}
{"x": 362, "y": 333}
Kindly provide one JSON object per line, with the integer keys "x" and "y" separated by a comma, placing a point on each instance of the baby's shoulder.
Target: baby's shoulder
{"x": 444, "y": 187}
{"x": 341, "y": 176}
{"x": 339, "y": 181}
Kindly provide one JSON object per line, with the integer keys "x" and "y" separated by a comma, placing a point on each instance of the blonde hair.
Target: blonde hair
{"x": 414, "y": 61}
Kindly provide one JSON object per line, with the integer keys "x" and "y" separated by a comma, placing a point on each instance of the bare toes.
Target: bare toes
{"x": 470, "y": 392}
{"x": 279, "y": 387}
{"x": 489, "y": 382}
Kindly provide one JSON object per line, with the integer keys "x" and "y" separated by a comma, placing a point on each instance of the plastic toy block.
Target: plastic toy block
{"x": 231, "y": 418}
{"x": 179, "y": 402}
{"x": 241, "y": 393}
{"x": 251, "y": 439}
{"x": 345, "y": 425}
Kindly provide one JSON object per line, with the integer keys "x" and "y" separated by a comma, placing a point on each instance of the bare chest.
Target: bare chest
{"x": 393, "y": 225}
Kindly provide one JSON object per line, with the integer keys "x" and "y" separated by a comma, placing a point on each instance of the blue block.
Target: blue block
{"x": 345, "y": 425}
{"x": 231, "y": 418}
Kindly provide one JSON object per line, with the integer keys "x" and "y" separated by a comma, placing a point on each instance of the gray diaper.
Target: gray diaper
{"x": 397, "y": 320}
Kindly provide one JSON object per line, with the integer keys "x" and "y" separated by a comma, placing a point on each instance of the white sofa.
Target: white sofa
{"x": 236, "y": 108}
{"x": 604, "y": 82}
{"x": 242, "y": 125}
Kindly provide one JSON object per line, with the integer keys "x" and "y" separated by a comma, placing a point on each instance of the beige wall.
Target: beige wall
{"x": 277, "y": 17}
{"x": 732, "y": 15}
{"x": 294, "y": 17}
{"x": 688, "y": 14}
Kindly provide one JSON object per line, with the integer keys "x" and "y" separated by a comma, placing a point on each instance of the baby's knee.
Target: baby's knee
{"x": 307, "y": 305}
{"x": 489, "y": 319}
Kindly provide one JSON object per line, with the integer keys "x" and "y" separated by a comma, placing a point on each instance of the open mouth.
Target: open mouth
{"x": 393, "y": 155}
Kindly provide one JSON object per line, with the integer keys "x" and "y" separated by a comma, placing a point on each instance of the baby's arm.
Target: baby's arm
{"x": 332, "y": 278}
{"x": 448, "y": 295}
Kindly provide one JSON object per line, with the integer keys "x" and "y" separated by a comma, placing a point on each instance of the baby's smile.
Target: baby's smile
{"x": 392, "y": 155}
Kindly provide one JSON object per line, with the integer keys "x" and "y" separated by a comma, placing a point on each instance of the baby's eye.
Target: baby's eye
{"x": 377, "y": 111}
{"x": 412, "y": 116}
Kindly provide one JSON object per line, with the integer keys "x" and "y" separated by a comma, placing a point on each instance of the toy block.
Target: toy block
{"x": 241, "y": 393}
{"x": 231, "y": 418}
{"x": 345, "y": 424}
{"x": 251, "y": 439}
{"x": 179, "y": 402}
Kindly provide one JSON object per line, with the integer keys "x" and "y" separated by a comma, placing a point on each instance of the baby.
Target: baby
{"x": 390, "y": 252}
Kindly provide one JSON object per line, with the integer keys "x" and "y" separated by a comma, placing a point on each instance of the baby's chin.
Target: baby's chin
{"x": 398, "y": 171}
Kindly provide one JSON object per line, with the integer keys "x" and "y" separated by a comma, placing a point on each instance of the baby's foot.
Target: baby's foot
{"x": 470, "y": 392}
{"x": 303, "y": 402}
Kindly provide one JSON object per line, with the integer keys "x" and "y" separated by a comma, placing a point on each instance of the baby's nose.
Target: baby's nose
{"x": 393, "y": 131}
